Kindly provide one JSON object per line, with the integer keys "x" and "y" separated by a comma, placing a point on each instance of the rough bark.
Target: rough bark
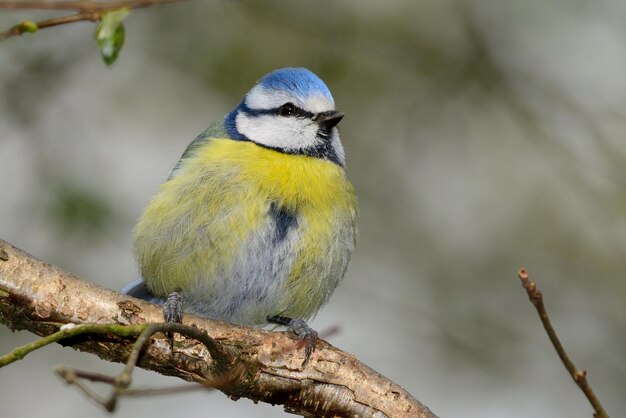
{"x": 34, "y": 293}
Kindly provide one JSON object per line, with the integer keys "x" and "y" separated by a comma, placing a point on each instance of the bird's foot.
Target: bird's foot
{"x": 308, "y": 336}
{"x": 173, "y": 312}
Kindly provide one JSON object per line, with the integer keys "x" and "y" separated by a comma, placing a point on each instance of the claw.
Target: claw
{"x": 308, "y": 336}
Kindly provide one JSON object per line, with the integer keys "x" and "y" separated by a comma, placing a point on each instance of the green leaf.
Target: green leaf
{"x": 110, "y": 34}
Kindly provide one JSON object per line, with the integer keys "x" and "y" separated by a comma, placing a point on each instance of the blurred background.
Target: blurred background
{"x": 481, "y": 136}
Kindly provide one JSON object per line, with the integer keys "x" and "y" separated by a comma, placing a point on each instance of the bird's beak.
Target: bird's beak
{"x": 328, "y": 120}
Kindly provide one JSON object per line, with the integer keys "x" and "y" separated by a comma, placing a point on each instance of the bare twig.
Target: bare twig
{"x": 579, "y": 376}
{"x": 83, "y": 6}
{"x": 86, "y": 11}
{"x": 28, "y": 26}
{"x": 172, "y": 390}
{"x": 70, "y": 375}
{"x": 91, "y": 376}
{"x": 226, "y": 369}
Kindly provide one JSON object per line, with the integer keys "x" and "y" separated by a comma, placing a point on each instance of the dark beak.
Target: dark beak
{"x": 328, "y": 120}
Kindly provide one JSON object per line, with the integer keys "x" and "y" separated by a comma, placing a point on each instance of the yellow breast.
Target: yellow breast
{"x": 199, "y": 218}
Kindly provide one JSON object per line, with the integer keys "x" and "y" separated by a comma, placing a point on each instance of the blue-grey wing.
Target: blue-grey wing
{"x": 215, "y": 130}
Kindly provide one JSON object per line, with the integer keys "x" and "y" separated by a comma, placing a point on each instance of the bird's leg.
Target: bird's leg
{"x": 307, "y": 334}
{"x": 173, "y": 312}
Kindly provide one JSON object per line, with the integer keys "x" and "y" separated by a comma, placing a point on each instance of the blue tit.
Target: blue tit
{"x": 257, "y": 219}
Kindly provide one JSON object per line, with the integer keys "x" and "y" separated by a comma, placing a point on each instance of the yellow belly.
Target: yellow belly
{"x": 191, "y": 235}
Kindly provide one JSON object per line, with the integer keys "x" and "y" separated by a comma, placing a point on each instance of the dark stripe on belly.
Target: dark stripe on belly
{"x": 285, "y": 221}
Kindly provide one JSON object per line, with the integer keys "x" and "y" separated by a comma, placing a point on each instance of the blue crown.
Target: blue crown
{"x": 298, "y": 81}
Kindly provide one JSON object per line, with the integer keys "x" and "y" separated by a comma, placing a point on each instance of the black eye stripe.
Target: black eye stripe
{"x": 297, "y": 112}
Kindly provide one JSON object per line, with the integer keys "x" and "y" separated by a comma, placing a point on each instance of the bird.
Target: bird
{"x": 256, "y": 223}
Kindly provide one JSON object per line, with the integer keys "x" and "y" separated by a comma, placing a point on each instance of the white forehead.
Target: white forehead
{"x": 261, "y": 97}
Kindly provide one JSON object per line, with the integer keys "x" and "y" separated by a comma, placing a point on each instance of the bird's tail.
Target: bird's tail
{"x": 138, "y": 289}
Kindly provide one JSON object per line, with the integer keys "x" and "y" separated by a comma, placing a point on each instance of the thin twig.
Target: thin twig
{"x": 135, "y": 393}
{"x": 23, "y": 27}
{"x": 116, "y": 329}
{"x": 218, "y": 353}
{"x": 226, "y": 371}
{"x": 72, "y": 377}
{"x": 94, "y": 377}
{"x": 579, "y": 376}
{"x": 86, "y": 11}
{"x": 83, "y": 6}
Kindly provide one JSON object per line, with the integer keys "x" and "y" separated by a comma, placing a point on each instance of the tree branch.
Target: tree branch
{"x": 37, "y": 296}
{"x": 579, "y": 376}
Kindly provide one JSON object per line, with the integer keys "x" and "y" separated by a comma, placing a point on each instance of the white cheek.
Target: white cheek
{"x": 335, "y": 143}
{"x": 287, "y": 133}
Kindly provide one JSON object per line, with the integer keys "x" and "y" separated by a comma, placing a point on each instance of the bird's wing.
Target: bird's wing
{"x": 215, "y": 130}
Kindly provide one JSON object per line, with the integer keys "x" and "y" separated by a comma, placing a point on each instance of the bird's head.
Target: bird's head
{"x": 292, "y": 111}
